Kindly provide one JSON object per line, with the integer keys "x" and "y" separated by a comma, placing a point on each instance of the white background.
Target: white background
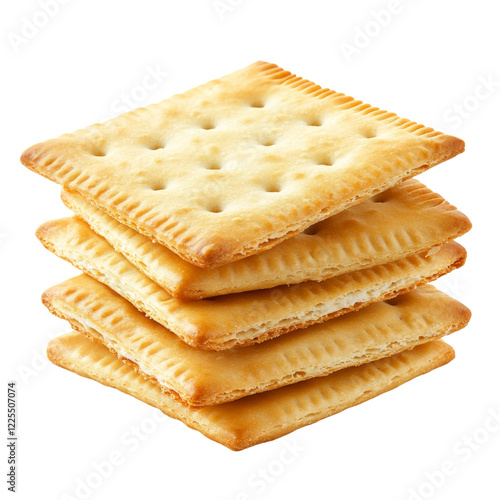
{"x": 428, "y": 61}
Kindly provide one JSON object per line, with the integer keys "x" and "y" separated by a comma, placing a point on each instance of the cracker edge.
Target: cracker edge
{"x": 200, "y": 335}
{"x": 203, "y": 394}
{"x": 181, "y": 287}
{"x": 213, "y": 254}
{"x": 239, "y": 437}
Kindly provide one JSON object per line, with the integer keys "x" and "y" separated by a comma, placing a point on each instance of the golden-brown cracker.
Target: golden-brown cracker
{"x": 262, "y": 417}
{"x": 198, "y": 377}
{"x": 249, "y": 317}
{"x": 402, "y": 221}
{"x": 235, "y": 166}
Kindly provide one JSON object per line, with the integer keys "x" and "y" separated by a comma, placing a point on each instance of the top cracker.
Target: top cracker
{"x": 234, "y": 166}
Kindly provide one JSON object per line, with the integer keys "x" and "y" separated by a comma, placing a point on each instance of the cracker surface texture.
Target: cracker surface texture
{"x": 237, "y": 165}
{"x": 198, "y": 377}
{"x": 262, "y": 417}
{"x": 249, "y": 317}
{"x": 379, "y": 230}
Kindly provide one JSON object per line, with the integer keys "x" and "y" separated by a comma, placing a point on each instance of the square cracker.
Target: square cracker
{"x": 381, "y": 229}
{"x": 248, "y": 317}
{"x": 262, "y": 417}
{"x": 200, "y": 378}
{"x": 235, "y": 166}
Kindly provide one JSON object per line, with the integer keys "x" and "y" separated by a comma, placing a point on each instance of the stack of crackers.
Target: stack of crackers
{"x": 255, "y": 253}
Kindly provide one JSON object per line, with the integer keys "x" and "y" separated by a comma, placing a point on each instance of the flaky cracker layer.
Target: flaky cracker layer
{"x": 243, "y": 318}
{"x": 237, "y": 165}
{"x": 262, "y": 417}
{"x": 406, "y": 219}
{"x": 198, "y": 377}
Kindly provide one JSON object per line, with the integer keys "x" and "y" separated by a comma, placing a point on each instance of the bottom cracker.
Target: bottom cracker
{"x": 261, "y": 417}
